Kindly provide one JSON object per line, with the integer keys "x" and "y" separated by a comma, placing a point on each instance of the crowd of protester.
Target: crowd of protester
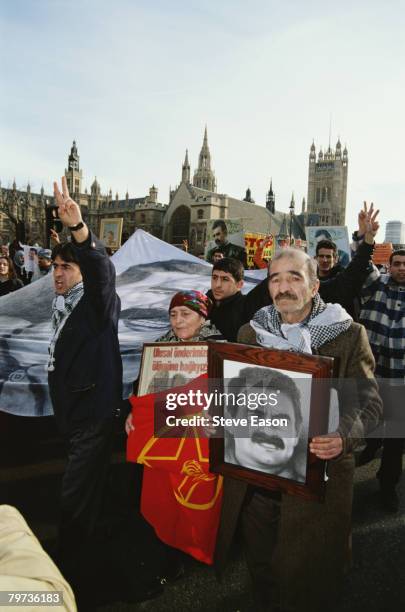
{"x": 21, "y": 264}
{"x": 352, "y": 313}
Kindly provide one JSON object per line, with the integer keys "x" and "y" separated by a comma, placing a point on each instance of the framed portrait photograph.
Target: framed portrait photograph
{"x": 227, "y": 236}
{"x": 268, "y": 405}
{"x": 337, "y": 234}
{"x": 111, "y": 232}
{"x": 165, "y": 365}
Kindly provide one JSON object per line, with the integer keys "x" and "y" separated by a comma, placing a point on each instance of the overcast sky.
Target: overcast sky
{"x": 135, "y": 82}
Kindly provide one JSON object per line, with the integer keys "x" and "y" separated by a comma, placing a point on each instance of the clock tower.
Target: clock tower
{"x": 73, "y": 173}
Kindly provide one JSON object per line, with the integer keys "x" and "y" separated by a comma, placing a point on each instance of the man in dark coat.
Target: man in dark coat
{"x": 342, "y": 285}
{"x": 231, "y": 308}
{"x": 84, "y": 375}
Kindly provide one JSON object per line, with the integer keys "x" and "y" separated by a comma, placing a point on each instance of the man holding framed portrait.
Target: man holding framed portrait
{"x": 297, "y": 549}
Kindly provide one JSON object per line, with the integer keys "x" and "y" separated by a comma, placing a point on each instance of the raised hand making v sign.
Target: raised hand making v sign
{"x": 368, "y": 224}
{"x": 69, "y": 212}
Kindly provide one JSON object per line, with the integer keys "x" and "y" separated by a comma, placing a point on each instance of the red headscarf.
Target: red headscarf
{"x": 195, "y": 300}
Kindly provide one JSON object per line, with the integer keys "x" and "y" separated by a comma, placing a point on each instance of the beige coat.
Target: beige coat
{"x": 313, "y": 539}
{"x": 25, "y": 566}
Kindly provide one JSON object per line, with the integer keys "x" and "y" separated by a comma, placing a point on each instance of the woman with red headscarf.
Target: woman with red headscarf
{"x": 189, "y": 318}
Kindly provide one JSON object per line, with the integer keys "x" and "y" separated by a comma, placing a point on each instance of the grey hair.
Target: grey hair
{"x": 309, "y": 262}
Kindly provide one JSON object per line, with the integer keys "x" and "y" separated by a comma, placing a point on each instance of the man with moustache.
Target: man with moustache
{"x": 269, "y": 448}
{"x": 297, "y": 550}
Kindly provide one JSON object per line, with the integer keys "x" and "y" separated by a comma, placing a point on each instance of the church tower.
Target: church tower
{"x": 271, "y": 199}
{"x": 73, "y": 173}
{"x": 95, "y": 197}
{"x": 327, "y": 184}
{"x": 204, "y": 177}
{"x": 185, "y": 171}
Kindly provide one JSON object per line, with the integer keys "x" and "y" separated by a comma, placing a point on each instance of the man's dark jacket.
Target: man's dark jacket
{"x": 343, "y": 285}
{"x": 86, "y": 385}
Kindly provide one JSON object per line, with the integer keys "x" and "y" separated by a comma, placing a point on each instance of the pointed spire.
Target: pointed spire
{"x": 73, "y": 159}
{"x": 270, "y": 198}
{"x": 204, "y": 177}
{"x": 248, "y": 196}
{"x": 205, "y": 151}
{"x": 185, "y": 171}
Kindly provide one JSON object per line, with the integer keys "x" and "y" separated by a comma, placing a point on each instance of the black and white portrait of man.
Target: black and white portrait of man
{"x": 275, "y": 405}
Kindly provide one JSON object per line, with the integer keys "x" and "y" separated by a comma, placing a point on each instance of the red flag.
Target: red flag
{"x": 176, "y": 477}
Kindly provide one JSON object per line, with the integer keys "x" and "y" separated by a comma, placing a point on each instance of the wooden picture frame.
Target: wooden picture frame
{"x": 177, "y": 362}
{"x": 260, "y": 364}
{"x": 111, "y": 232}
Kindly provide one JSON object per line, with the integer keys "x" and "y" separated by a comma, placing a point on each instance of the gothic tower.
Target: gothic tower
{"x": 94, "y": 199}
{"x": 204, "y": 177}
{"x": 327, "y": 184}
{"x": 271, "y": 199}
{"x": 185, "y": 171}
{"x": 73, "y": 173}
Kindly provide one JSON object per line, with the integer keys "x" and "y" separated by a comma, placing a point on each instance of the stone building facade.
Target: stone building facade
{"x": 144, "y": 212}
{"x": 192, "y": 205}
{"x": 327, "y": 184}
{"x": 28, "y": 209}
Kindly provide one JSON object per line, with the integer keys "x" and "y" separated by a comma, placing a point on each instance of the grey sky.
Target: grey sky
{"x": 135, "y": 82}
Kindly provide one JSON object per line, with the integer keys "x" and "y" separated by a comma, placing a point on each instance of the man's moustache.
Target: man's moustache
{"x": 261, "y": 438}
{"x": 288, "y": 295}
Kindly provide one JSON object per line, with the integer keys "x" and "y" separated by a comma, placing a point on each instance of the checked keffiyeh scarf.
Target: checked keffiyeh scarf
{"x": 325, "y": 323}
{"x": 62, "y": 308}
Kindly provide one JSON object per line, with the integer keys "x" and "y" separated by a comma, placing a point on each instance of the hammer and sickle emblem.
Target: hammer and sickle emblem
{"x": 194, "y": 478}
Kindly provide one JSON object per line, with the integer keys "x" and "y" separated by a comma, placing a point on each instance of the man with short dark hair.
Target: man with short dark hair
{"x": 217, "y": 254}
{"x": 84, "y": 375}
{"x": 327, "y": 259}
{"x": 383, "y": 315}
{"x": 231, "y": 309}
{"x": 220, "y": 236}
{"x": 342, "y": 285}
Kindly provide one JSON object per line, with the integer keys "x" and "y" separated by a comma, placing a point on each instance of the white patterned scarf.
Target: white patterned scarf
{"x": 325, "y": 323}
{"x": 62, "y": 308}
